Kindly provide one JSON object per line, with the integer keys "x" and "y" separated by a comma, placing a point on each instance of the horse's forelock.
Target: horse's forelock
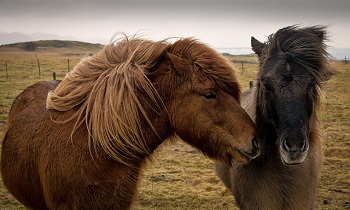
{"x": 105, "y": 89}
{"x": 211, "y": 63}
{"x": 304, "y": 45}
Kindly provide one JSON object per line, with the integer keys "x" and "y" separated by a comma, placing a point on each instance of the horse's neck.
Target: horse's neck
{"x": 163, "y": 127}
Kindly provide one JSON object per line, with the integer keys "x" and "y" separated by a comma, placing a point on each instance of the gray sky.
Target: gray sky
{"x": 219, "y": 23}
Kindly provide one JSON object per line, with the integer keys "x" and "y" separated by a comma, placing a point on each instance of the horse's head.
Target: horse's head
{"x": 201, "y": 94}
{"x": 292, "y": 68}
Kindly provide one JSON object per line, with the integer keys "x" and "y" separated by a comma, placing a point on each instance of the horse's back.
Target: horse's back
{"x": 33, "y": 96}
{"x": 18, "y": 156}
{"x": 46, "y": 166}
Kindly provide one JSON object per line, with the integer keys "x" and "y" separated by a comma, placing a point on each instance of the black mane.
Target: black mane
{"x": 305, "y": 46}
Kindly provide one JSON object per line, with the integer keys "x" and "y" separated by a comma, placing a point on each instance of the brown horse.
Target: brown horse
{"x": 81, "y": 143}
{"x": 284, "y": 106}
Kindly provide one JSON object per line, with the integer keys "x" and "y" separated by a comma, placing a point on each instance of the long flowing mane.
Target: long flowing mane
{"x": 104, "y": 87}
{"x": 106, "y": 90}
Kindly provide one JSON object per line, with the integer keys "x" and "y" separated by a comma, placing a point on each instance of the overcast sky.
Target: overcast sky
{"x": 219, "y": 23}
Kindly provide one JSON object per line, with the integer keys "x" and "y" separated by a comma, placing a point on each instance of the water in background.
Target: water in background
{"x": 336, "y": 53}
{"x": 339, "y": 53}
{"x": 236, "y": 51}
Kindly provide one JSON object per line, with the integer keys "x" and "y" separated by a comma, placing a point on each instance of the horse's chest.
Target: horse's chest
{"x": 264, "y": 187}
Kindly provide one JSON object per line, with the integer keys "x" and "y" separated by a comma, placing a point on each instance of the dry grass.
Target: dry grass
{"x": 178, "y": 176}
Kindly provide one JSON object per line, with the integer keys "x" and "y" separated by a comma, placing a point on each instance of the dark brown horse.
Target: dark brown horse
{"x": 284, "y": 106}
{"x": 81, "y": 143}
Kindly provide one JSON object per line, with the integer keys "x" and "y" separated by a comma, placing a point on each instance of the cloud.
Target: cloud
{"x": 280, "y": 9}
{"x": 221, "y": 23}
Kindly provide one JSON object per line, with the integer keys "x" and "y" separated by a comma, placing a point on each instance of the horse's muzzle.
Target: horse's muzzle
{"x": 293, "y": 155}
{"x": 255, "y": 151}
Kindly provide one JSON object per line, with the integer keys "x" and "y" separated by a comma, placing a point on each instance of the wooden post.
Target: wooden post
{"x": 54, "y": 75}
{"x": 251, "y": 84}
{"x": 345, "y": 60}
{"x": 39, "y": 66}
{"x": 7, "y": 76}
{"x": 242, "y": 66}
{"x": 68, "y": 64}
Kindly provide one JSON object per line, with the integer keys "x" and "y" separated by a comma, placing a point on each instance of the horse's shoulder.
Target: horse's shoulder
{"x": 249, "y": 103}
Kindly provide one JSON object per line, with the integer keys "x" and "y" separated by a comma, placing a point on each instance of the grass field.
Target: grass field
{"x": 178, "y": 176}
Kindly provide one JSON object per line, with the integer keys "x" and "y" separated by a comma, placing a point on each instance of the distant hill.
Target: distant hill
{"x": 15, "y": 37}
{"x": 6, "y": 38}
{"x": 35, "y": 45}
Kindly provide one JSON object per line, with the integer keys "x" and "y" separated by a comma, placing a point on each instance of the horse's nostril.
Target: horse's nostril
{"x": 305, "y": 146}
{"x": 295, "y": 148}
{"x": 255, "y": 144}
{"x": 286, "y": 147}
{"x": 255, "y": 148}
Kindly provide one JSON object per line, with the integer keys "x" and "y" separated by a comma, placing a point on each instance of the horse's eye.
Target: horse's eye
{"x": 209, "y": 95}
{"x": 267, "y": 86}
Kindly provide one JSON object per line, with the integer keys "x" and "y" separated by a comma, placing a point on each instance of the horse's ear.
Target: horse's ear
{"x": 257, "y": 46}
{"x": 178, "y": 64}
{"x": 320, "y": 33}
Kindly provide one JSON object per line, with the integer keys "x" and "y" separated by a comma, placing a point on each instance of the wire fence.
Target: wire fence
{"x": 20, "y": 67}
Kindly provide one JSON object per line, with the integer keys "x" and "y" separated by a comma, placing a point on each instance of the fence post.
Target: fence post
{"x": 39, "y": 66}
{"x": 345, "y": 60}
{"x": 7, "y": 75}
{"x": 68, "y": 64}
{"x": 54, "y": 75}
{"x": 251, "y": 84}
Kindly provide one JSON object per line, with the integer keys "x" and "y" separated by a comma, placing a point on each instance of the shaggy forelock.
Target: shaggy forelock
{"x": 211, "y": 63}
{"x": 305, "y": 46}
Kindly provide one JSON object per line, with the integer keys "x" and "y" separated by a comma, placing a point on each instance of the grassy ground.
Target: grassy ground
{"x": 180, "y": 177}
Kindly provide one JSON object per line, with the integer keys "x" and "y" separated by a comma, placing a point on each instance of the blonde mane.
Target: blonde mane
{"x": 104, "y": 89}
